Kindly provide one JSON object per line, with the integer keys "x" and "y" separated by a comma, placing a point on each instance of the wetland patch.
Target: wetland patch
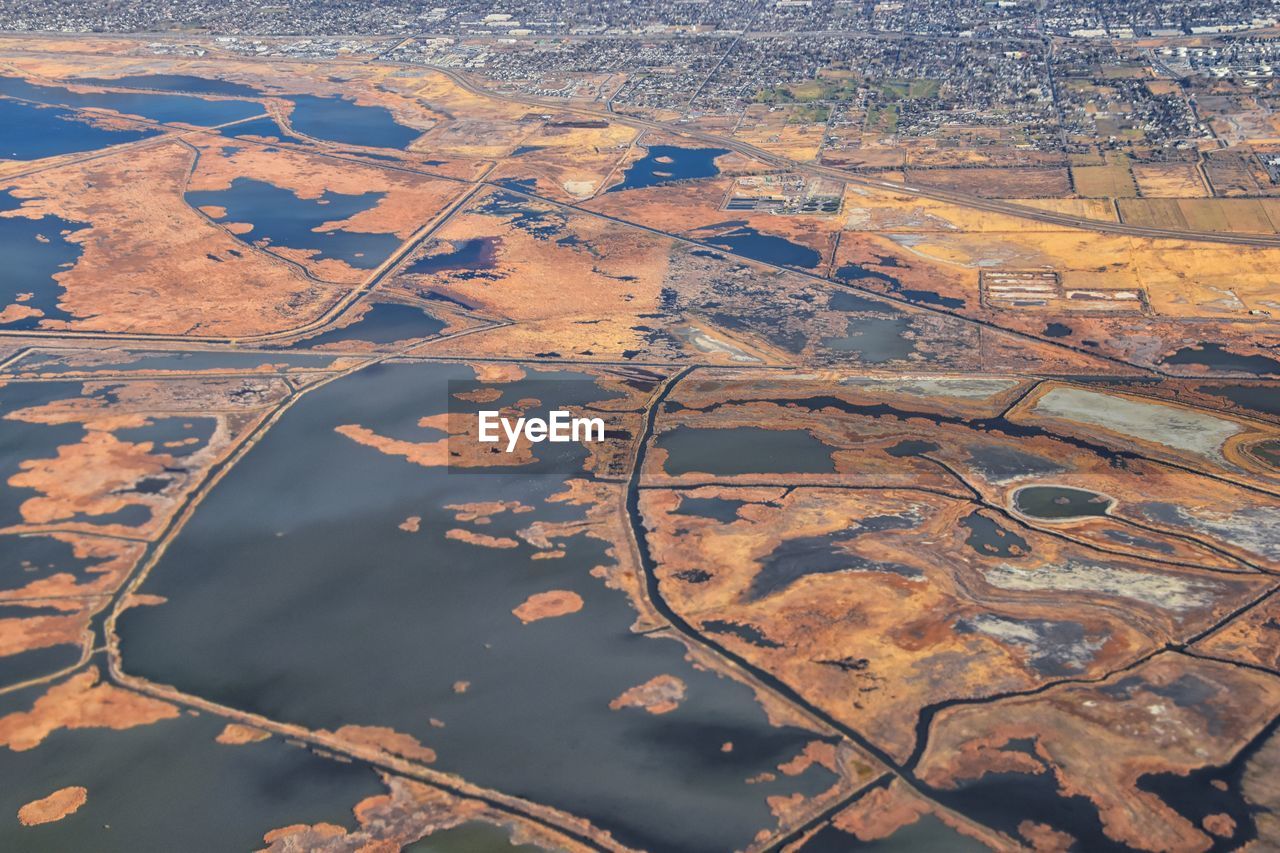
{"x": 172, "y": 83}
{"x": 1059, "y": 503}
{"x": 875, "y": 340}
{"x": 35, "y": 252}
{"x": 34, "y": 131}
{"x": 666, "y": 163}
{"x": 383, "y": 323}
{"x": 1217, "y": 357}
{"x": 825, "y": 553}
{"x": 279, "y": 218}
{"x": 167, "y": 109}
{"x": 770, "y": 248}
{"x": 169, "y": 786}
{"x": 337, "y": 119}
{"x": 743, "y": 450}
{"x": 264, "y": 595}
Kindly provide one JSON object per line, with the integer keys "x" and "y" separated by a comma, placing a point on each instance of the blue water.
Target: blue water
{"x": 477, "y": 254}
{"x": 34, "y": 250}
{"x": 750, "y": 243}
{"x": 31, "y": 132}
{"x": 1258, "y": 398}
{"x": 743, "y": 450}
{"x": 173, "y": 83}
{"x": 280, "y": 218}
{"x": 1218, "y": 357}
{"x": 22, "y": 440}
{"x": 142, "y": 361}
{"x": 265, "y": 127}
{"x": 338, "y": 120}
{"x": 857, "y": 272}
{"x": 686, "y": 163}
{"x": 875, "y": 340}
{"x": 384, "y": 323}
{"x": 170, "y": 786}
{"x": 183, "y": 109}
{"x": 315, "y": 608}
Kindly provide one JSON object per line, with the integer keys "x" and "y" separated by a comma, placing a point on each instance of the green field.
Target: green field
{"x": 883, "y": 119}
{"x": 808, "y": 92}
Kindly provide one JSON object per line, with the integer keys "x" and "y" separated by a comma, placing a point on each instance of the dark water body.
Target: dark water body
{"x": 750, "y": 243}
{"x": 313, "y": 607}
{"x": 17, "y": 668}
{"x": 1216, "y": 357}
{"x": 528, "y": 185}
{"x": 20, "y": 440}
{"x": 34, "y": 251}
{"x": 1264, "y": 399}
{"x": 133, "y": 515}
{"x": 1059, "y": 502}
{"x": 1057, "y": 330}
{"x": 265, "y": 127}
{"x": 336, "y": 119}
{"x": 875, "y": 340}
{"x": 280, "y": 218}
{"x": 477, "y": 254}
{"x": 932, "y": 297}
{"x": 151, "y": 485}
{"x": 1124, "y": 537}
{"x": 32, "y": 131}
{"x": 1214, "y": 790}
{"x": 1053, "y": 648}
{"x": 927, "y": 835}
{"x": 1004, "y": 800}
{"x": 722, "y": 510}
{"x": 991, "y": 540}
{"x": 172, "y": 83}
{"x": 169, "y": 786}
{"x": 1267, "y": 451}
{"x": 845, "y": 301}
{"x": 744, "y": 450}
{"x": 471, "y": 838}
{"x": 857, "y": 272}
{"x": 913, "y": 447}
{"x": 383, "y": 323}
{"x": 162, "y": 431}
{"x": 537, "y": 220}
{"x": 180, "y": 109}
{"x": 685, "y": 163}
{"x": 821, "y": 554}
{"x": 792, "y": 341}
{"x": 156, "y": 360}
{"x": 748, "y": 633}
{"x": 999, "y": 462}
{"x": 24, "y": 559}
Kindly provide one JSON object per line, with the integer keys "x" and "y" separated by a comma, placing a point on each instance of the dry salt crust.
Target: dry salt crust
{"x": 1193, "y": 432}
